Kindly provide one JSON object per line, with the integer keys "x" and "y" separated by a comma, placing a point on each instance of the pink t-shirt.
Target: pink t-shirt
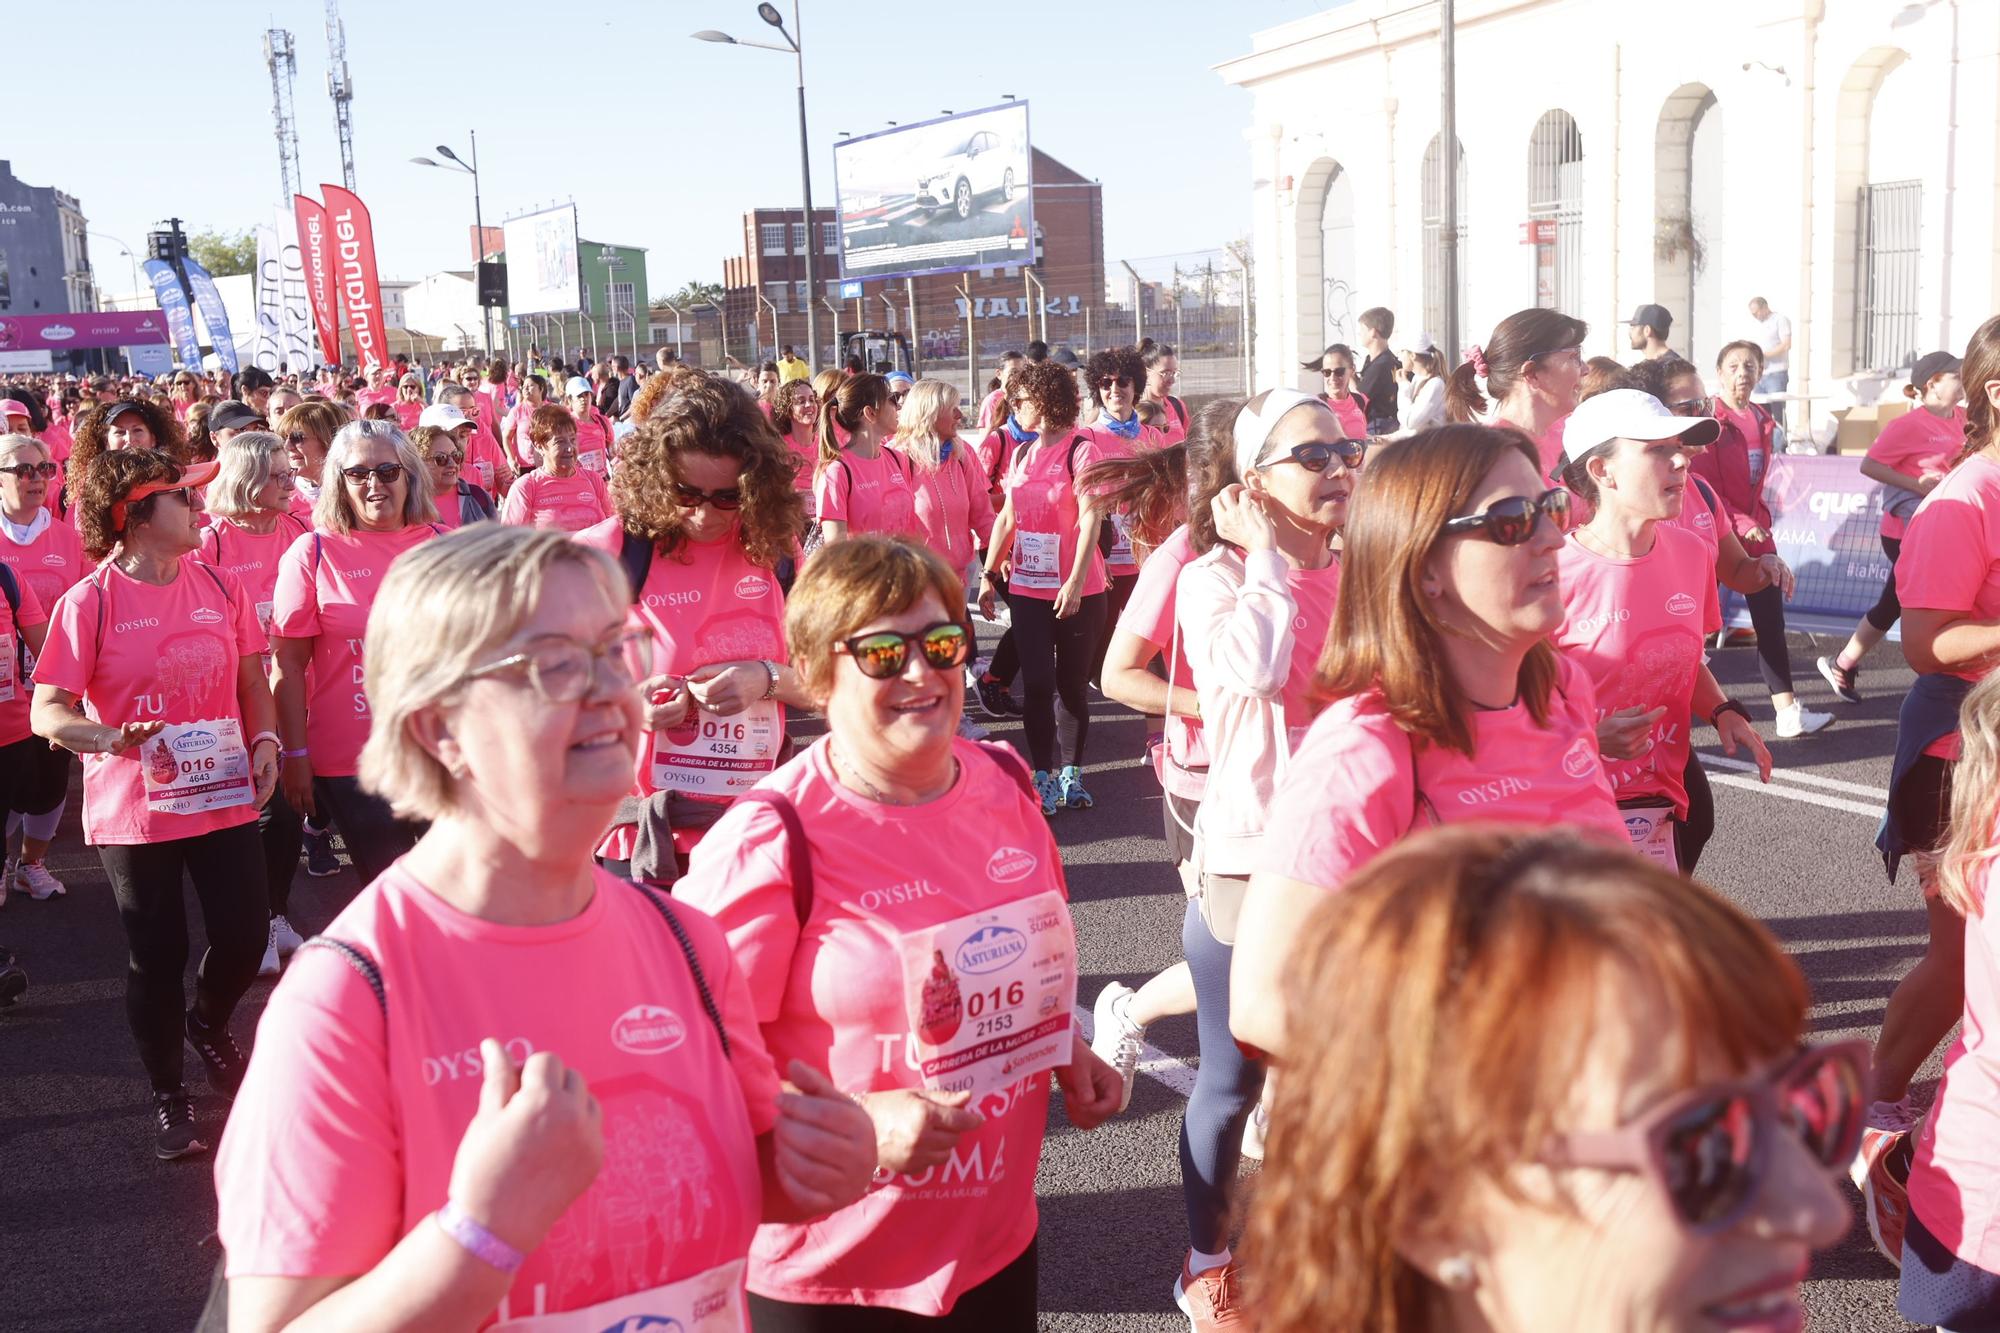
{"x": 348, "y": 1124}
{"x": 407, "y": 414}
{"x": 1121, "y": 560}
{"x": 594, "y": 439}
{"x": 251, "y": 556}
{"x": 1176, "y": 428}
{"x": 1950, "y": 559}
{"x": 137, "y": 652}
{"x": 1916, "y": 443}
{"x": 1700, "y": 517}
{"x": 1353, "y": 421}
{"x": 16, "y": 690}
{"x": 834, "y": 994}
{"x": 50, "y": 563}
{"x": 485, "y": 462}
{"x": 805, "y": 452}
{"x": 571, "y": 503}
{"x": 870, "y": 495}
{"x": 1636, "y": 626}
{"x": 993, "y": 409}
{"x": 1041, "y": 485}
{"x": 1955, "y": 1181}
{"x": 952, "y": 505}
{"x": 1181, "y": 765}
{"x": 1351, "y": 791}
{"x": 326, "y": 585}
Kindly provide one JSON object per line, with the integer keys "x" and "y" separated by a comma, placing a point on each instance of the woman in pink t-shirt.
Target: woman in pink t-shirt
{"x": 950, "y": 489}
{"x": 409, "y": 404}
{"x": 1532, "y": 366}
{"x": 1337, "y": 382}
{"x": 595, "y": 439}
{"x": 521, "y": 449}
{"x": 509, "y": 1087}
{"x": 375, "y": 505}
{"x": 897, "y": 904}
{"x": 861, "y": 487}
{"x": 30, "y": 785}
{"x": 125, "y": 424}
{"x": 1118, "y": 374}
{"x": 1909, "y": 458}
{"x": 795, "y": 415}
{"x": 1446, "y": 700}
{"x": 559, "y": 493}
{"x": 307, "y": 431}
{"x": 153, "y": 672}
{"x": 458, "y": 501}
{"x": 1163, "y": 371}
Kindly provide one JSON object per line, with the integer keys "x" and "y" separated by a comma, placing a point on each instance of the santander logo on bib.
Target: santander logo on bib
{"x": 1681, "y": 604}
{"x": 205, "y": 615}
{"x": 1009, "y": 864}
{"x": 1581, "y": 757}
{"x": 648, "y": 1029}
{"x": 752, "y": 586}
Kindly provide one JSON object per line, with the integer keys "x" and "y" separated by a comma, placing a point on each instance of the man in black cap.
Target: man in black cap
{"x": 231, "y": 418}
{"x": 1650, "y": 325}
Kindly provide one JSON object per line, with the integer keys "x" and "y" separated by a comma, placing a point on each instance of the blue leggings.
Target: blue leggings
{"x": 1226, "y": 1088}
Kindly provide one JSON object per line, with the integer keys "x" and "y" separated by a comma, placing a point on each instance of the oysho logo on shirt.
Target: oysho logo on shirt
{"x": 1581, "y": 757}
{"x": 357, "y": 573}
{"x": 752, "y": 586}
{"x": 673, "y": 598}
{"x": 1592, "y": 624}
{"x": 648, "y": 1029}
{"x": 1009, "y": 864}
{"x": 205, "y": 615}
{"x": 1681, "y": 604}
{"x": 143, "y": 622}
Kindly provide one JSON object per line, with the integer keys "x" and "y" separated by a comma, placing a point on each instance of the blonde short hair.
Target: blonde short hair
{"x": 14, "y": 442}
{"x": 334, "y": 511}
{"x": 443, "y": 610}
{"x": 246, "y": 466}
{"x": 918, "y": 439}
{"x": 849, "y": 583}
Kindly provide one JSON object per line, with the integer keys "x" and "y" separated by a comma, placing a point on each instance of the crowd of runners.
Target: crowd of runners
{"x": 710, "y": 964}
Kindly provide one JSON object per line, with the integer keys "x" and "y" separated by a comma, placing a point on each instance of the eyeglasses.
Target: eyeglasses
{"x": 1710, "y": 1148}
{"x": 1511, "y": 521}
{"x": 1337, "y": 373}
{"x": 386, "y": 473}
{"x": 297, "y": 436}
{"x": 1561, "y": 353}
{"x": 445, "y": 460}
{"x": 284, "y": 478}
{"x": 562, "y": 670}
{"x": 726, "y": 499}
{"x": 899, "y": 396}
{"x": 884, "y": 653}
{"x": 1316, "y": 457}
{"x": 1691, "y": 407}
{"x": 25, "y": 471}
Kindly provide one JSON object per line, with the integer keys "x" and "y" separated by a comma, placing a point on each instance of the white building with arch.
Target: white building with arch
{"x": 1838, "y": 157}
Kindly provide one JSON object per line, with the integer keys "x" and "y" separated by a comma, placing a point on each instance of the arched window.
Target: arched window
{"x": 1555, "y": 211}
{"x": 1687, "y": 225}
{"x": 1433, "y": 201}
{"x": 1891, "y": 214}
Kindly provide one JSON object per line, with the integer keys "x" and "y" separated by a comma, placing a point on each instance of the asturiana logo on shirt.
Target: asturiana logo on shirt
{"x": 752, "y": 586}
{"x": 205, "y": 615}
{"x": 648, "y": 1029}
{"x": 1582, "y": 756}
{"x": 1009, "y": 864}
{"x": 1681, "y": 604}
{"x": 54, "y": 561}
{"x": 991, "y": 948}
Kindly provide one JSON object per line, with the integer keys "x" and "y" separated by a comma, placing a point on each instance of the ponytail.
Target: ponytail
{"x": 1463, "y": 403}
{"x": 1517, "y": 340}
{"x": 843, "y": 407}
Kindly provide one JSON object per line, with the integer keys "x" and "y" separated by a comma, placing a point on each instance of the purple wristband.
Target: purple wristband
{"x": 477, "y": 1241}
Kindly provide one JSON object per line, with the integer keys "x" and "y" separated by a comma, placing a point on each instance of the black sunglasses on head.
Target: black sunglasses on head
{"x": 884, "y": 653}
{"x": 1511, "y": 521}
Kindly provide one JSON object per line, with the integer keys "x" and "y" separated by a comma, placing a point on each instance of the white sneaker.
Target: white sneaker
{"x": 283, "y": 938}
{"x": 7, "y": 880}
{"x": 269, "y": 966}
{"x": 1798, "y": 720}
{"x": 1115, "y": 1038}
{"x": 33, "y": 878}
{"x": 1254, "y": 1130}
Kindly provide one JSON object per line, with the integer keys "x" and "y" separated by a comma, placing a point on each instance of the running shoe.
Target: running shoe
{"x": 33, "y": 878}
{"x": 1115, "y": 1038}
{"x": 1051, "y": 794}
{"x": 320, "y": 860}
{"x": 6, "y": 880}
{"x": 1885, "y": 1189}
{"x": 286, "y": 940}
{"x": 971, "y": 730}
{"x": 1798, "y": 720}
{"x": 13, "y": 981}
{"x": 219, "y": 1055}
{"x": 1074, "y": 797}
{"x": 175, "y": 1114}
{"x": 1254, "y": 1130}
{"x": 1843, "y": 679}
{"x": 996, "y": 699}
{"x": 1211, "y": 1300}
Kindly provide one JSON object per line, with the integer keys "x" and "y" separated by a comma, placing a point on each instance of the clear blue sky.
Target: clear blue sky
{"x": 172, "y": 116}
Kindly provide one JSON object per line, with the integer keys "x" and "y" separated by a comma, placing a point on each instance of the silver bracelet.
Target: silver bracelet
{"x": 771, "y": 669}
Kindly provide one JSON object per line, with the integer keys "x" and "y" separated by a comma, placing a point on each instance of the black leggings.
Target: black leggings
{"x": 1003, "y": 1303}
{"x": 1887, "y": 609}
{"x": 227, "y": 867}
{"x": 1774, "y": 655}
{"x": 1055, "y": 662}
{"x": 1117, "y": 592}
{"x": 278, "y": 828}
{"x": 373, "y": 834}
{"x": 34, "y": 778}
{"x": 1692, "y": 834}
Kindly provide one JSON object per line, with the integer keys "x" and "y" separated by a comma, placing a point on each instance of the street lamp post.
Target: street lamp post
{"x": 769, "y": 13}
{"x": 453, "y": 162}
{"x": 107, "y": 236}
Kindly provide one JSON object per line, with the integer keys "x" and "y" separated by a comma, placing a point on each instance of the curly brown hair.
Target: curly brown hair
{"x": 91, "y": 429}
{"x": 1116, "y": 363}
{"x": 1051, "y": 389}
{"x": 654, "y": 389}
{"x": 108, "y": 478}
{"x": 787, "y": 398}
{"x": 710, "y": 415}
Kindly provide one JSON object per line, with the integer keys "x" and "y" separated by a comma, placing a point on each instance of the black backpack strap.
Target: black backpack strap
{"x": 798, "y": 851}
{"x": 11, "y": 589}
{"x": 635, "y": 554}
{"x": 357, "y": 958}
{"x": 693, "y": 961}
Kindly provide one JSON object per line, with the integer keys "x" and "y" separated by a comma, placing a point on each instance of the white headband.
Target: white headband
{"x": 1253, "y": 427}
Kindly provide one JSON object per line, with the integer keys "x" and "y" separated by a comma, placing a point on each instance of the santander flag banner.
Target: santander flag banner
{"x": 180, "y": 320}
{"x": 209, "y": 301}
{"x": 316, "y": 253}
{"x": 354, "y": 274}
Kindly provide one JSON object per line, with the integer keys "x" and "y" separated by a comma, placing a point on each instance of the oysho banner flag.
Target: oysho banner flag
{"x": 295, "y": 321}
{"x": 355, "y": 276}
{"x": 316, "y": 253}
{"x": 209, "y": 302}
{"x": 266, "y": 351}
{"x": 174, "y": 303}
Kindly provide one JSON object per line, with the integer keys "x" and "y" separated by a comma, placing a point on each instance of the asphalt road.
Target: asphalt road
{"x": 99, "y": 1234}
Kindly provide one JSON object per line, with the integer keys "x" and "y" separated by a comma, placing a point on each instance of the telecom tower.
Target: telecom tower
{"x": 280, "y": 58}
{"x": 340, "y": 88}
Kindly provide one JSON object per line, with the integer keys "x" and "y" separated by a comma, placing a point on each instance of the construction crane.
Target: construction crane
{"x": 280, "y": 57}
{"x": 340, "y": 88}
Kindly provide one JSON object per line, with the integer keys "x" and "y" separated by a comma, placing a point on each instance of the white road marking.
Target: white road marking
{"x": 1794, "y": 794}
{"x": 1154, "y": 1063}
{"x": 1794, "y": 775}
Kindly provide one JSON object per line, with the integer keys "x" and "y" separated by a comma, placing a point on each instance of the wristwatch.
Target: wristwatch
{"x": 771, "y": 669}
{"x": 1728, "y": 706}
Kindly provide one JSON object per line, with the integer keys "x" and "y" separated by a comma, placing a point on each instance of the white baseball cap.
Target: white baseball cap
{"x": 1631, "y": 414}
{"x": 577, "y": 384}
{"x": 444, "y": 416}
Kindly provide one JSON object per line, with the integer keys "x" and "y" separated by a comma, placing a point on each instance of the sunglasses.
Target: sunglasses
{"x": 561, "y": 670}
{"x": 1318, "y": 456}
{"x": 1337, "y": 373}
{"x": 1691, "y": 407}
{"x": 386, "y": 473}
{"x": 726, "y": 499}
{"x": 899, "y": 397}
{"x": 1710, "y": 1148}
{"x": 445, "y": 460}
{"x": 884, "y": 654}
{"x": 297, "y": 436}
{"x": 1511, "y": 521}
{"x": 26, "y": 471}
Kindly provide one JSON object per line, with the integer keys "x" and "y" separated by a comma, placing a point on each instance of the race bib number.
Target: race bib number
{"x": 8, "y": 657}
{"x": 591, "y": 460}
{"x": 710, "y": 1302}
{"x": 708, "y": 755}
{"x": 194, "y": 766}
{"x": 1651, "y": 829}
{"x": 990, "y": 995}
{"x": 1037, "y": 560}
{"x": 1121, "y": 540}
{"x": 264, "y": 616}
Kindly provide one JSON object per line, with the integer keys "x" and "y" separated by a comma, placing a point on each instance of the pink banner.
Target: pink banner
{"x": 88, "y": 328}
{"x": 354, "y": 274}
{"x": 316, "y": 251}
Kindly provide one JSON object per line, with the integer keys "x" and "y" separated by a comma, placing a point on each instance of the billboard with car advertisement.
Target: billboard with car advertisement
{"x": 942, "y": 196}
{"x": 542, "y": 277}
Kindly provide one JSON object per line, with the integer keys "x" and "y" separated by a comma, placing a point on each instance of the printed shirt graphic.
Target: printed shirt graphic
{"x": 1348, "y": 793}
{"x": 570, "y": 503}
{"x": 166, "y": 654}
{"x": 835, "y": 995}
{"x": 349, "y": 1130}
{"x": 1636, "y": 626}
{"x": 1045, "y": 517}
{"x": 330, "y": 606}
